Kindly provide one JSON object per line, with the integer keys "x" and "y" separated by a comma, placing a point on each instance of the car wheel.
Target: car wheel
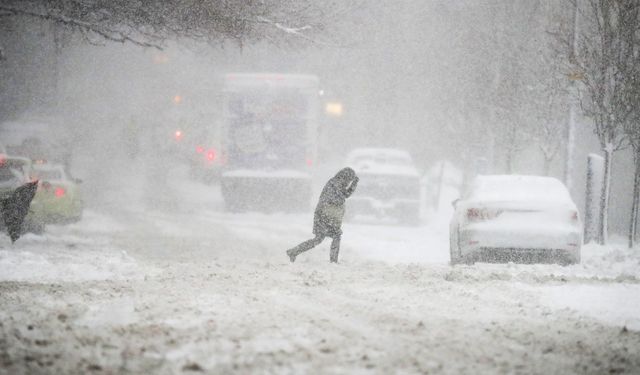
{"x": 452, "y": 251}
{"x": 568, "y": 260}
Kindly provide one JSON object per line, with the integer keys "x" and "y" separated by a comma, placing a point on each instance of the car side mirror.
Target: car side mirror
{"x": 455, "y": 203}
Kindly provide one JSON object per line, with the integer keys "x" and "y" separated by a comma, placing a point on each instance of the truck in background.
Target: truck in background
{"x": 269, "y": 141}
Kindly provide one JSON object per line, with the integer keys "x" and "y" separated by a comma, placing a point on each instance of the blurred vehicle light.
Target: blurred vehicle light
{"x": 334, "y": 109}
{"x": 211, "y": 155}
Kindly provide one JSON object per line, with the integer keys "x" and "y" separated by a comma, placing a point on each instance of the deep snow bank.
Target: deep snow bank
{"x": 79, "y": 252}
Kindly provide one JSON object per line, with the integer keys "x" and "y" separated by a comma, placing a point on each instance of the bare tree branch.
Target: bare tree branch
{"x": 150, "y": 23}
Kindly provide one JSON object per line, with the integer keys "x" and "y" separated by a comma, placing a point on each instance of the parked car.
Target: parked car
{"x": 58, "y": 199}
{"x": 15, "y": 171}
{"x": 389, "y": 185}
{"x": 511, "y": 218}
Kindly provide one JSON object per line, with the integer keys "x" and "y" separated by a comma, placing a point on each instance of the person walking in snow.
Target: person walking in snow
{"x": 327, "y": 218}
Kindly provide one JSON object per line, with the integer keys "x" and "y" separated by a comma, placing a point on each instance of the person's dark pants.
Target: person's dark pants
{"x": 310, "y": 244}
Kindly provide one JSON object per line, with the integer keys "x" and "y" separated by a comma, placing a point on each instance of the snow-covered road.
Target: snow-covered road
{"x": 151, "y": 289}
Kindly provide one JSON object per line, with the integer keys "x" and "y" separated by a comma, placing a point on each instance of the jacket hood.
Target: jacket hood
{"x": 346, "y": 174}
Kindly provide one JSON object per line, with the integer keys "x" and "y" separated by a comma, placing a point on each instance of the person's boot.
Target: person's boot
{"x": 335, "y": 249}
{"x": 333, "y": 255}
{"x": 292, "y": 255}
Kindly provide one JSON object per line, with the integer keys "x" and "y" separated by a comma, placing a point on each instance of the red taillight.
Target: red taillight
{"x": 309, "y": 162}
{"x": 59, "y": 192}
{"x": 473, "y": 214}
{"x": 211, "y": 155}
{"x": 199, "y": 149}
{"x": 479, "y": 214}
{"x": 574, "y": 216}
{"x": 178, "y": 135}
{"x": 2, "y": 160}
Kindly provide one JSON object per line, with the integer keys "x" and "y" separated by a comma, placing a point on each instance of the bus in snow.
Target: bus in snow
{"x": 269, "y": 139}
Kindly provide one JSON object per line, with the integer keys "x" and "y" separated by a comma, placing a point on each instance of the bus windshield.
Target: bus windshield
{"x": 267, "y": 127}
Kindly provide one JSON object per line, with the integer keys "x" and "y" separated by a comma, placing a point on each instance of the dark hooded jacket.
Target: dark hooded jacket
{"x": 329, "y": 212}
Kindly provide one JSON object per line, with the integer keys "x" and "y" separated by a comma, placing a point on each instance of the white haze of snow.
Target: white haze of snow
{"x": 157, "y": 268}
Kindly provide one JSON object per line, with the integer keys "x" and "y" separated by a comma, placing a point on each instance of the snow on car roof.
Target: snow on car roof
{"x": 381, "y": 161}
{"x": 518, "y": 188}
{"x": 51, "y": 171}
{"x": 18, "y": 158}
{"x": 373, "y": 168}
{"x": 48, "y": 167}
{"x": 378, "y": 152}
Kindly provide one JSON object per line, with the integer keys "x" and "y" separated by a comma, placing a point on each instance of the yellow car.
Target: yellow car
{"x": 58, "y": 199}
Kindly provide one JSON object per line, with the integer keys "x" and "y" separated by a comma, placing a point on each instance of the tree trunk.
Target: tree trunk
{"x": 440, "y": 183}
{"x": 633, "y": 223}
{"x": 604, "y": 196}
{"x": 573, "y": 103}
{"x": 510, "y": 150}
{"x": 546, "y": 167}
{"x": 595, "y": 181}
{"x": 508, "y": 162}
{"x": 568, "y": 161}
{"x": 635, "y": 235}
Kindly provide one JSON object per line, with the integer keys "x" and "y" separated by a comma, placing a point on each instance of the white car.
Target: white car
{"x": 389, "y": 185}
{"x": 510, "y": 218}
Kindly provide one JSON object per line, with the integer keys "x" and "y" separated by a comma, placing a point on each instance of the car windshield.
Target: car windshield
{"x": 381, "y": 158}
{"x": 518, "y": 188}
{"x": 48, "y": 174}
